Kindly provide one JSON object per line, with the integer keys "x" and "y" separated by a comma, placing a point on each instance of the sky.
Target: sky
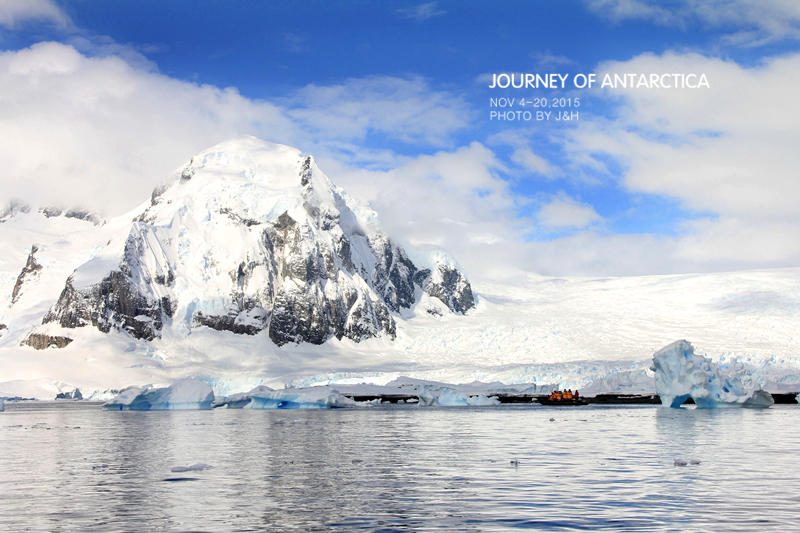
{"x": 99, "y": 101}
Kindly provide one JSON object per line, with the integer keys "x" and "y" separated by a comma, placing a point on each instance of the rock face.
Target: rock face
{"x": 29, "y": 272}
{"x": 41, "y": 341}
{"x": 80, "y": 214}
{"x": 252, "y": 236}
{"x": 449, "y": 285}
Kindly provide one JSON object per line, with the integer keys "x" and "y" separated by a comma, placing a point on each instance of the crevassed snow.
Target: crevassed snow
{"x": 680, "y": 373}
{"x": 185, "y": 394}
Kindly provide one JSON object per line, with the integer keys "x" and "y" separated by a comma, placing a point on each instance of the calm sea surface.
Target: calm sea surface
{"x": 72, "y": 467}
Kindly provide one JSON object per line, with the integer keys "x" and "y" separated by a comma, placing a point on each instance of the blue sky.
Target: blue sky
{"x": 392, "y": 96}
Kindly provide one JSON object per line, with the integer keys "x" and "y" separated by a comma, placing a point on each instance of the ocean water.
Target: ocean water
{"x": 73, "y": 467}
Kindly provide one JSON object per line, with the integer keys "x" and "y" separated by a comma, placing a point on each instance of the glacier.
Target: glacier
{"x": 183, "y": 395}
{"x": 681, "y": 374}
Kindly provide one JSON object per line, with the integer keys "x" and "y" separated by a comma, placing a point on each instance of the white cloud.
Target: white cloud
{"x": 759, "y": 22}
{"x": 548, "y": 59}
{"x": 524, "y": 155}
{"x": 100, "y": 131}
{"x": 405, "y": 109}
{"x": 421, "y": 12}
{"x": 564, "y": 212}
{"x": 16, "y": 12}
{"x": 452, "y": 200}
{"x": 729, "y": 153}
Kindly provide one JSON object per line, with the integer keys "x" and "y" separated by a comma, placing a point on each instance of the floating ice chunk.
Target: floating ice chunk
{"x": 240, "y": 399}
{"x": 316, "y": 398}
{"x": 680, "y": 462}
{"x": 480, "y": 399}
{"x": 198, "y": 466}
{"x": 680, "y": 374}
{"x": 185, "y": 394}
{"x": 425, "y": 396}
{"x": 450, "y": 398}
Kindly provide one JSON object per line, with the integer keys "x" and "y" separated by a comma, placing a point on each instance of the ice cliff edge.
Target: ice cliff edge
{"x": 681, "y": 374}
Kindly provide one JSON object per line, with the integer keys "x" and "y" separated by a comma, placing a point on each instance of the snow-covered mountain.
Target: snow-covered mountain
{"x": 249, "y": 266}
{"x": 249, "y": 236}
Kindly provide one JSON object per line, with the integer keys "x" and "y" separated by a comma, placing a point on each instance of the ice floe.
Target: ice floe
{"x": 192, "y": 468}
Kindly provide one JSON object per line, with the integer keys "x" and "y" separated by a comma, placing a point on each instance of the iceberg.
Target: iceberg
{"x": 451, "y": 398}
{"x": 240, "y": 399}
{"x": 315, "y": 398}
{"x": 192, "y": 468}
{"x": 425, "y": 396}
{"x": 185, "y": 394}
{"x": 681, "y": 374}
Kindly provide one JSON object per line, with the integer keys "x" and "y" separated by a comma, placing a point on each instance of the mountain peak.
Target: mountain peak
{"x": 251, "y": 236}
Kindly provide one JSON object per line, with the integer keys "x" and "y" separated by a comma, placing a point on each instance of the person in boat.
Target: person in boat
{"x": 557, "y": 396}
{"x": 576, "y": 395}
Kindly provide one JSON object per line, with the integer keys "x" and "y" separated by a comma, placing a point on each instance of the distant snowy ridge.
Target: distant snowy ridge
{"x": 251, "y": 236}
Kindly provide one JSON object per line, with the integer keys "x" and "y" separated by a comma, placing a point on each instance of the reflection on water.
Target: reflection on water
{"x": 72, "y": 467}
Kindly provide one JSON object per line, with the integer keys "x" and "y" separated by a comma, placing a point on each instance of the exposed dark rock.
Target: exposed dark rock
{"x": 451, "y": 288}
{"x": 3, "y": 329}
{"x": 42, "y": 342}
{"x": 394, "y": 274}
{"x": 14, "y": 208}
{"x": 82, "y": 214}
{"x": 231, "y": 322}
{"x": 188, "y": 172}
{"x": 29, "y": 272}
{"x": 238, "y": 219}
{"x": 116, "y": 301}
